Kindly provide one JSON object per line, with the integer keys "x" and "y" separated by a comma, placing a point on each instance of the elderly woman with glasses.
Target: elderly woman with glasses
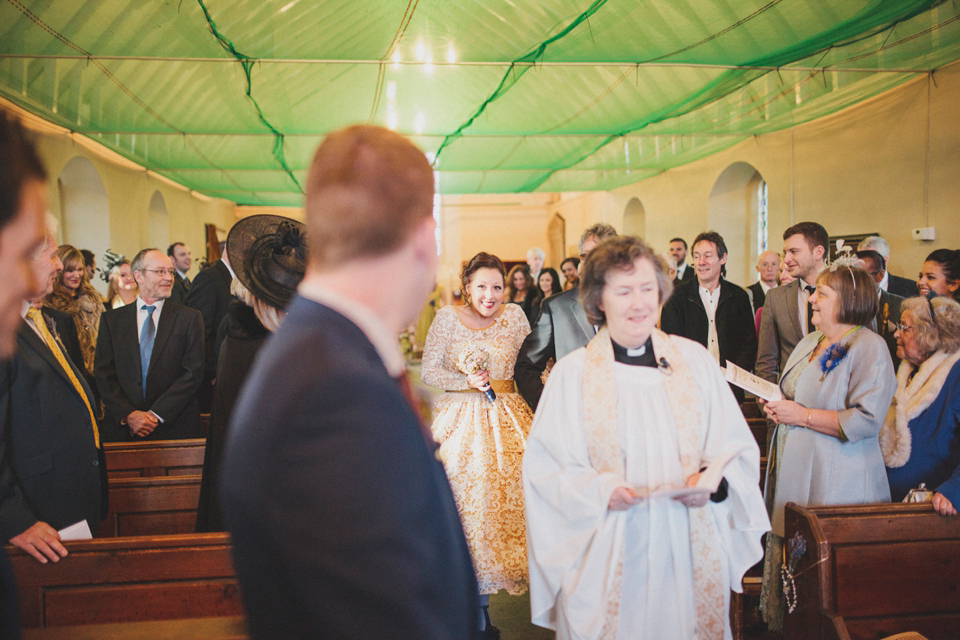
{"x": 921, "y": 434}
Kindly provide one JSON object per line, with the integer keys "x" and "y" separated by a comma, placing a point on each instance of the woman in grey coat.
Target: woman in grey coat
{"x": 837, "y": 387}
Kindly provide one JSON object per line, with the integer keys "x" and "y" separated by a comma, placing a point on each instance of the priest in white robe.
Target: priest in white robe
{"x": 634, "y": 413}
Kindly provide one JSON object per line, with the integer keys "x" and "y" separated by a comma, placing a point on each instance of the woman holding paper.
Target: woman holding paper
{"x": 837, "y": 386}
{"x": 622, "y": 424}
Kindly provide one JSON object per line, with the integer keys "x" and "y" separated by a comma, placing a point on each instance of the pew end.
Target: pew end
{"x": 872, "y": 571}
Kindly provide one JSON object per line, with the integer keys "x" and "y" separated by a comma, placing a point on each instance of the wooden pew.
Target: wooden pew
{"x": 871, "y": 571}
{"x": 115, "y": 580}
{"x": 154, "y": 458}
{"x": 151, "y": 506}
{"x": 226, "y": 628}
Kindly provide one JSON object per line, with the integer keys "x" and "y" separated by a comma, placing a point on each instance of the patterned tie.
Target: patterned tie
{"x": 810, "y": 289}
{"x": 147, "y": 335}
{"x": 37, "y": 319}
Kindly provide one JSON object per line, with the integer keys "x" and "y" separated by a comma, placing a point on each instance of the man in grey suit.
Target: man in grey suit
{"x": 561, "y": 328}
{"x": 785, "y": 318}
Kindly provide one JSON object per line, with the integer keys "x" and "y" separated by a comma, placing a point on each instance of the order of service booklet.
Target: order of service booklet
{"x": 749, "y": 382}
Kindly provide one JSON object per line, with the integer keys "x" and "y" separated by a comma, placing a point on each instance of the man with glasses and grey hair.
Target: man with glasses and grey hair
{"x": 149, "y": 361}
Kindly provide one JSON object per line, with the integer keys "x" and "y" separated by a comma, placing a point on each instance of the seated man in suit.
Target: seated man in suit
{"x": 149, "y": 360}
{"x": 786, "y": 316}
{"x": 342, "y": 520}
{"x": 903, "y": 287}
{"x": 179, "y": 254}
{"x": 562, "y": 327}
{"x": 52, "y": 473}
{"x": 712, "y": 310}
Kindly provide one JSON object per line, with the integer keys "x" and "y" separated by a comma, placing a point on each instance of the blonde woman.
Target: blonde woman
{"x": 74, "y": 294}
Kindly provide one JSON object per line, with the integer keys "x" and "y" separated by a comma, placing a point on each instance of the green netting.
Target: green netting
{"x": 232, "y": 98}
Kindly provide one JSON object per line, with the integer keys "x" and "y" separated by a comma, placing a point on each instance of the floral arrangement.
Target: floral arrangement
{"x": 473, "y": 359}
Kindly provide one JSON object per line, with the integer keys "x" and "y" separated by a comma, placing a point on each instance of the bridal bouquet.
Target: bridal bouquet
{"x": 473, "y": 359}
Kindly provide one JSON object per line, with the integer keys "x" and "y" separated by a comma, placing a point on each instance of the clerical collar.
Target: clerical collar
{"x": 641, "y": 357}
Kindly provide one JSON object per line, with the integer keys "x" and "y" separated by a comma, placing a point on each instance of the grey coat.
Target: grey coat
{"x": 816, "y": 469}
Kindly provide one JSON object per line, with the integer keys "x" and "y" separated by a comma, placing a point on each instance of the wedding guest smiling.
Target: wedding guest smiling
{"x": 837, "y": 386}
{"x": 481, "y": 440}
{"x": 921, "y": 434}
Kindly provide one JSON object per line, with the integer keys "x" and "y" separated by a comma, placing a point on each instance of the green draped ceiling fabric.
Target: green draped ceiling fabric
{"x": 231, "y": 97}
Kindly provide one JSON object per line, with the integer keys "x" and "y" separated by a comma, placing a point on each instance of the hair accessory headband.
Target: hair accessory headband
{"x": 848, "y": 260}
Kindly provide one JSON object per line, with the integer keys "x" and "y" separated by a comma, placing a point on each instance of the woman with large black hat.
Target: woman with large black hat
{"x": 268, "y": 255}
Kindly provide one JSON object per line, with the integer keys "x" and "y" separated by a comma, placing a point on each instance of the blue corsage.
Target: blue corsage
{"x": 832, "y": 356}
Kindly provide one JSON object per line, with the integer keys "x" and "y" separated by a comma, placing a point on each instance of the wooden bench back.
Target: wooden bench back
{"x": 870, "y": 571}
{"x": 129, "y": 579}
{"x": 151, "y": 506}
{"x": 154, "y": 458}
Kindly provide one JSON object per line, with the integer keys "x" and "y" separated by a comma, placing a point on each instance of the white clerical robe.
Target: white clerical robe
{"x": 575, "y": 542}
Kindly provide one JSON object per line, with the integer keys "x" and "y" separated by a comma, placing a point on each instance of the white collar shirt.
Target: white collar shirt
{"x": 710, "y": 301}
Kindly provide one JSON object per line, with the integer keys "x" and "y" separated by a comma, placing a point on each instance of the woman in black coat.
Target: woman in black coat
{"x": 269, "y": 256}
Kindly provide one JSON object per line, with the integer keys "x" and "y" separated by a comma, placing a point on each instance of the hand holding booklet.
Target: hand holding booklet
{"x": 749, "y": 382}
{"x": 708, "y": 482}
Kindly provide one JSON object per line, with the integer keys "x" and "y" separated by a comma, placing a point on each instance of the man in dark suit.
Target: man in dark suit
{"x": 768, "y": 265}
{"x": 210, "y": 295}
{"x": 22, "y": 205}
{"x": 562, "y": 327}
{"x": 713, "y": 311}
{"x": 342, "y": 521}
{"x": 157, "y": 401}
{"x": 888, "y": 311}
{"x": 782, "y": 325}
{"x": 179, "y": 254}
{"x": 52, "y": 474}
{"x": 903, "y": 287}
{"x": 678, "y": 251}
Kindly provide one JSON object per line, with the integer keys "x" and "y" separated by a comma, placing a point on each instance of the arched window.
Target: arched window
{"x": 737, "y": 207}
{"x": 84, "y": 211}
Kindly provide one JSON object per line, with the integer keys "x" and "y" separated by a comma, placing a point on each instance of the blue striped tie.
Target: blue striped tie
{"x": 147, "y": 335}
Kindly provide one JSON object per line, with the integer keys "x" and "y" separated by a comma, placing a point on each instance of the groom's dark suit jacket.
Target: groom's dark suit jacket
{"x": 561, "y": 328}
{"x": 50, "y": 468}
{"x": 342, "y": 521}
{"x": 176, "y": 370}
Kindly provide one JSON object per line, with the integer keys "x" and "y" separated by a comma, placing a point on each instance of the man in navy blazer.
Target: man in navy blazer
{"x": 165, "y": 407}
{"x": 561, "y": 327}
{"x": 52, "y": 473}
{"x": 342, "y": 520}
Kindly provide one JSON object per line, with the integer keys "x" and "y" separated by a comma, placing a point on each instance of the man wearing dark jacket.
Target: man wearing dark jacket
{"x": 714, "y": 312}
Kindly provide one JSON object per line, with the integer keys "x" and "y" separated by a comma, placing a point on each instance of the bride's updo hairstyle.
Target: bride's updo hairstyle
{"x": 482, "y": 260}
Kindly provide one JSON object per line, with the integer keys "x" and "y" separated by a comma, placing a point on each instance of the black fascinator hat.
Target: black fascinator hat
{"x": 269, "y": 255}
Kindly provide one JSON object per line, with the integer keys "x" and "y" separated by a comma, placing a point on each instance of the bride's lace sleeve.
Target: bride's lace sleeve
{"x": 437, "y": 368}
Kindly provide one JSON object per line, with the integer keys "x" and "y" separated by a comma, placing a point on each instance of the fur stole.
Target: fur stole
{"x": 910, "y": 400}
